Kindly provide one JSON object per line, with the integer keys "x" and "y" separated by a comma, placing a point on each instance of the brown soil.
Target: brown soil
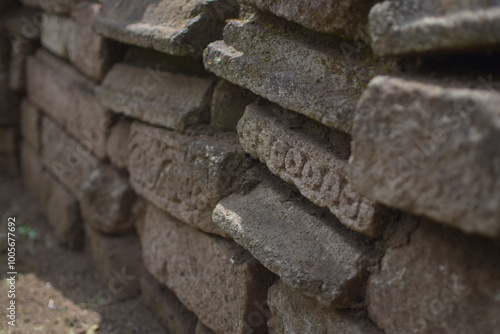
{"x": 57, "y": 290}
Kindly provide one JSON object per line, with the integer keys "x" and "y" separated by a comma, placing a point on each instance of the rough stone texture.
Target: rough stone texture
{"x": 202, "y": 329}
{"x": 62, "y": 211}
{"x": 284, "y": 233}
{"x": 118, "y": 261}
{"x": 178, "y": 27}
{"x": 416, "y": 26}
{"x": 68, "y": 160}
{"x": 171, "y": 100}
{"x": 294, "y": 313}
{"x": 52, "y": 6}
{"x": 68, "y": 97}
{"x": 31, "y": 171}
{"x": 409, "y": 139}
{"x": 8, "y": 139}
{"x": 228, "y": 105}
{"x": 118, "y": 142}
{"x": 166, "y": 306}
{"x": 21, "y": 49}
{"x": 267, "y": 56}
{"x": 30, "y": 125}
{"x": 186, "y": 175}
{"x": 108, "y": 202}
{"x": 436, "y": 280}
{"x": 345, "y": 18}
{"x": 57, "y": 31}
{"x": 213, "y": 277}
{"x": 315, "y": 167}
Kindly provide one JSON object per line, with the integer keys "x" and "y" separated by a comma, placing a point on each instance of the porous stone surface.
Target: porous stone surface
{"x": 284, "y": 233}
{"x": 52, "y": 6}
{"x": 202, "y": 329}
{"x": 266, "y": 55}
{"x": 118, "y": 261}
{"x": 436, "y": 280}
{"x": 431, "y": 148}
{"x": 56, "y": 32}
{"x": 172, "y": 100}
{"x": 344, "y": 18}
{"x": 420, "y": 26}
{"x": 62, "y": 211}
{"x": 186, "y": 175}
{"x": 108, "y": 201}
{"x": 294, "y": 313}
{"x": 66, "y": 158}
{"x": 215, "y": 278}
{"x": 178, "y": 27}
{"x": 166, "y": 306}
{"x": 67, "y": 96}
{"x": 118, "y": 142}
{"x": 319, "y": 169}
{"x": 228, "y": 105}
{"x": 30, "y": 124}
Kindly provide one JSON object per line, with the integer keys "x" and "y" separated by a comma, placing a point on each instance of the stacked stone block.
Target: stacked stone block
{"x": 263, "y": 166}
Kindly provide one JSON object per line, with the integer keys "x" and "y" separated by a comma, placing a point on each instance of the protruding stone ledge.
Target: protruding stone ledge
{"x": 341, "y": 17}
{"x": 215, "y": 278}
{"x": 316, "y": 255}
{"x": 421, "y": 26}
{"x": 318, "y": 76}
{"x": 177, "y": 27}
{"x": 431, "y": 148}
{"x": 187, "y": 175}
{"x": 172, "y": 100}
{"x": 315, "y": 167}
{"x": 68, "y": 97}
{"x": 292, "y": 312}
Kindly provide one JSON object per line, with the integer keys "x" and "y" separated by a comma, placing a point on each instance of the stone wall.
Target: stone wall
{"x": 267, "y": 166}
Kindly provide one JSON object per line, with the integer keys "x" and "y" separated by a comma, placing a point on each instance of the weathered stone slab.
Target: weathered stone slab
{"x": 21, "y": 49}
{"x": 118, "y": 142}
{"x": 284, "y": 233}
{"x": 213, "y": 277}
{"x": 108, "y": 201}
{"x": 56, "y": 32}
{"x": 320, "y": 77}
{"x": 118, "y": 261}
{"x": 52, "y": 6}
{"x": 344, "y": 18}
{"x": 436, "y": 280}
{"x": 417, "y": 26}
{"x": 294, "y": 313}
{"x": 166, "y": 306}
{"x": 62, "y": 211}
{"x": 409, "y": 138}
{"x": 68, "y": 97}
{"x": 171, "y": 100}
{"x": 228, "y": 105}
{"x": 31, "y": 171}
{"x": 67, "y": 159}
{"x": 8, "y": 139}
{"x": 186, "y": 175}
{"x": 180, "y": 27}
{"x": 30, "y": 125}
{"x": 317, "y": 168}
{"x": 202, "y": 329}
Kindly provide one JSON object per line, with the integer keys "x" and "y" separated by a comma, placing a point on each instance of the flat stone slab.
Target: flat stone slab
{"x": 215, "y": 278}
{"x": 267, "y": 56}
{"x": 284, "y": 233}
{"x": 67, "y": 96}
{"x": 344, "y": 18}
{"x": 318, "y": 169}
{"x": 186, "y": 175}
{"x": 292, "y": 312}
{"x": 421, "y": 26}
{"x": 409, "y": 138}
{"x": 171, "y": 100}
{"x": 67, "y": 159}
{"x": 178, "y": 27}
{"x": 30, "y": 124}
{"x": 436, "y": 280}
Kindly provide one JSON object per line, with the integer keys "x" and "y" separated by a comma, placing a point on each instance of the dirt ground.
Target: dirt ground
{"x": 57, "y": 290}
